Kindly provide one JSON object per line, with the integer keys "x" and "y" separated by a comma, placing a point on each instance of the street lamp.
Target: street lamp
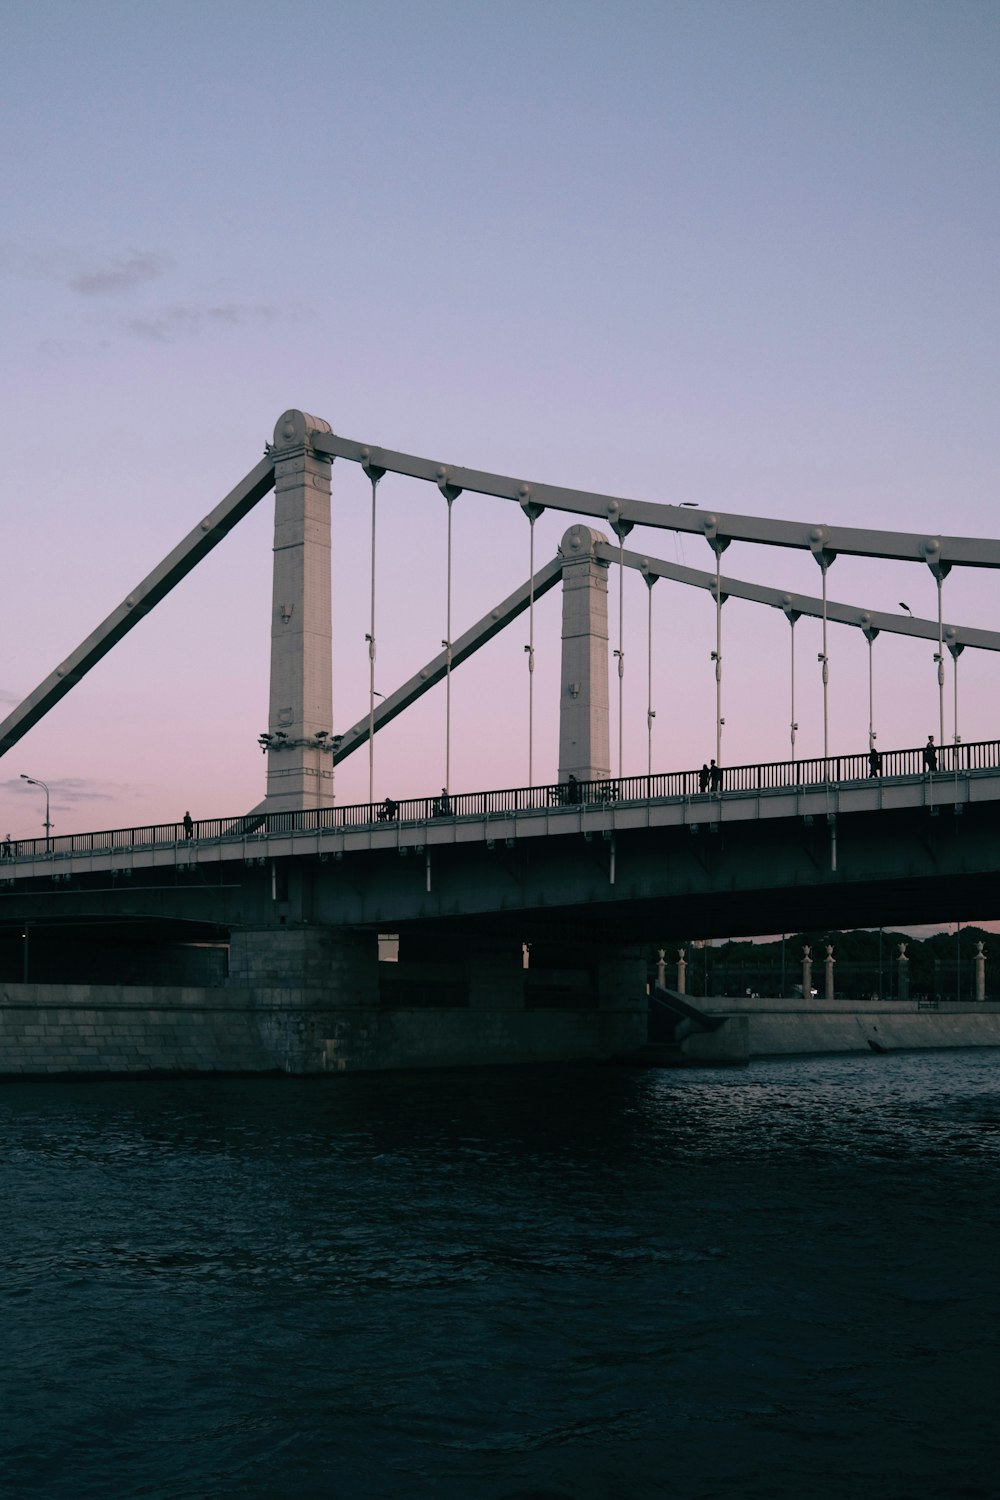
{"x": 33, "y": 781}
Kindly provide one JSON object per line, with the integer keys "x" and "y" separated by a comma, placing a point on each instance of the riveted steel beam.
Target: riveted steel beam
{"x": 154, "y": 587}
{"x": 617, "y": 511}
{"x": 795, "y": 605}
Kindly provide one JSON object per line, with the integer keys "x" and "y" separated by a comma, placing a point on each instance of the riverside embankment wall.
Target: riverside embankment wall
{"x": 67, "y": 1030}
{"x": 79, "y": 1029}
{"x": 788, "y": 1027}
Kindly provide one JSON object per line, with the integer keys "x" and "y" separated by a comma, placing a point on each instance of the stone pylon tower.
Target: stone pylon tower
{"x": 300, "y": 718}
{"x": 584, "y": 731}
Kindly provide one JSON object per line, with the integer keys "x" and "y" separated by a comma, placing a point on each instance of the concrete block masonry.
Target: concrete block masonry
{"x": 79, "y": 1029}
{"x": 53, "y": 1030}
{"x": 50, "y": 1030}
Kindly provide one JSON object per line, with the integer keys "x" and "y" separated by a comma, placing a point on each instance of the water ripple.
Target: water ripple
{"x": 569, "y": 1283}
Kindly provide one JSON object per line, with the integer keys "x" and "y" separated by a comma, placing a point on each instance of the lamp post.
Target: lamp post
{"x": 33, "y": 781}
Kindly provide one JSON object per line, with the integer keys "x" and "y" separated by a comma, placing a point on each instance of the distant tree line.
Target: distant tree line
{"x": 940, "y": 967}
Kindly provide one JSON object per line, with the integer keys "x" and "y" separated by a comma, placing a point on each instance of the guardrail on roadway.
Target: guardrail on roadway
{"x": 952, "y": 760}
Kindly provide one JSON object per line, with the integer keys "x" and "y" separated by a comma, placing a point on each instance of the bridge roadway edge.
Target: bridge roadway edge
{"x": 630, "y": 873}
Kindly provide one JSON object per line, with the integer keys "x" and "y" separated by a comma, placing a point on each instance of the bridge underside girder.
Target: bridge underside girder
{"x": 894, "y": 868}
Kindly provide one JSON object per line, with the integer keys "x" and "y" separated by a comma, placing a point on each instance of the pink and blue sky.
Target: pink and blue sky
{"x": 740, "y": 254}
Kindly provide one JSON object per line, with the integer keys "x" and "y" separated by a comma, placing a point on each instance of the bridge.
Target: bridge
{"x": 589, "y": 861}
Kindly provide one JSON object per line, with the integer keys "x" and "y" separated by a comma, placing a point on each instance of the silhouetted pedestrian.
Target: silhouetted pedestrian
{"x": 572, "y": 788}
{"x": 6, "y": 852}
{"x": 715, "y": 777}
{"x": 389, "y": 810}
{"x": 703, "y": 778}
{"x": 930, "y": 754}
{"x": 188, "y": 826}
{"x": 874, "y": 762}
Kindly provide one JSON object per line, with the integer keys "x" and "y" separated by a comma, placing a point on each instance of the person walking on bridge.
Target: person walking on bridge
{"x": 188, "y": 826}
{"x": 874, "y": 762}
{"x": 715, "y": 776}
{"x": 930, "y": 755}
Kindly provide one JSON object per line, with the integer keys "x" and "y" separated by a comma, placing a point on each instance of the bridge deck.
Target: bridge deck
{"x": 781, "y": 790}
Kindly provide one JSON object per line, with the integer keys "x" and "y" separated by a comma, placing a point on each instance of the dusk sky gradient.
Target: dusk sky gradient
{"x": 740, "y": 254}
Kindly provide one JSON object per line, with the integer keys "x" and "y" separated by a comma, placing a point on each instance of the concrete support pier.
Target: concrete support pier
{"x": 299, "y": 751}
{"x": 340, "y": 964}
{"x": 584, "y": 743}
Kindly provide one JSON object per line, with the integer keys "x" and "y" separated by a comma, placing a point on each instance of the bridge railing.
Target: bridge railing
{"x": 951, "y": 760}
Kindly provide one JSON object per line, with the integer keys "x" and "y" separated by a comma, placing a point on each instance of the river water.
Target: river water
{"x": 567, "y": 1283}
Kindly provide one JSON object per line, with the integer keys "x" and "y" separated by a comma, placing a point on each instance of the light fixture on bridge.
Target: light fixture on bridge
{"x": 33, "y": 781}
{"x": 264, "y": 741}
{"x": 909, "y": 611}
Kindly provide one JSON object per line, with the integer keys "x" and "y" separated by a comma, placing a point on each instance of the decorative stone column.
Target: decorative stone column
{"x": 681, "y": 971}
{"x": 584, "y": 743}
{"x": 903, "y": 973}
{"x": 980, "y": 963}
{"x": 807, "y": 972}
{"x": 300, "y": 720}
{"x": 828, "y": 964}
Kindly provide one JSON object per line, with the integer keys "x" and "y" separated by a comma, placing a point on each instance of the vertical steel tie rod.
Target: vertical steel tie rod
{"x": 650, "y": 710}
{"x": 956, "y": 649}
{"x": 621, "y": 528}
{"x": 939, "y": 658}
{"x": 824, "y": 557}
{"x": 371, "y": 660}
{"x": 620, "y": 653}
{"x": 374, "y": 473}
{"x": 531, "y": 651}
{"x": 826, "y": 681}
{"x": 447, "y": 646}
{"x": 931, "y": 550}
{"x": 532, "y": 511}
{"x": 451, "y": 493}
{"x": 870, "y": 632}
{"x": 791, "y": 615}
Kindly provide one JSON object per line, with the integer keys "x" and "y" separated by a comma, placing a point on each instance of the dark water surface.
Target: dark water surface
{"x": 550, "y": 1282}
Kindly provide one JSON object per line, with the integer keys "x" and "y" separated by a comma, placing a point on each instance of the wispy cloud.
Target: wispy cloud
{"x": 87, "y": 275}
{"x": 80, "y": 789}
{"x": 120, "y": 275}
{"x": 6, "y": 696}
{"x": 189, "y": 321}
{"x": 71, "y": 790}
